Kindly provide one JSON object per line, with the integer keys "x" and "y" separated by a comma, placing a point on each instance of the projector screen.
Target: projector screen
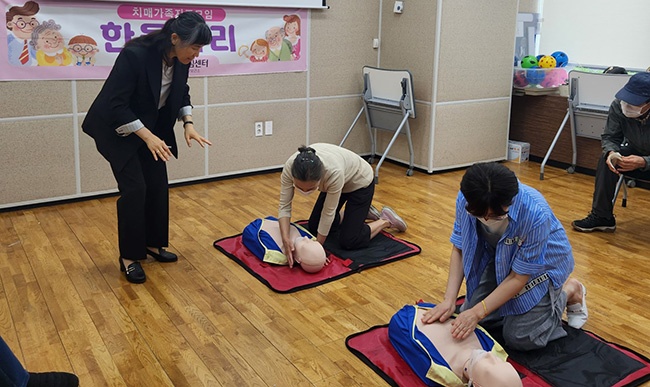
{"x": 238, "y": 3}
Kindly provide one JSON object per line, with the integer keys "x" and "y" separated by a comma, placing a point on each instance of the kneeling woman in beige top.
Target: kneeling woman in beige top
{"x": 342, "y": 177}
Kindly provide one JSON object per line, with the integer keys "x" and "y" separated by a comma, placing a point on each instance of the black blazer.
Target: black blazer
{"x": 132, "y": 91}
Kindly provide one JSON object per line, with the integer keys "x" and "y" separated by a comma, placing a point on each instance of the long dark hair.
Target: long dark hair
{"x": 488, "y": 186}
{"x": 307, "y": 166}
{"x": 189, "y": 26}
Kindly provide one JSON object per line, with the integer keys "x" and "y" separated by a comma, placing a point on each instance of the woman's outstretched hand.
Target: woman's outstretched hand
{"x": 192, "y": 134}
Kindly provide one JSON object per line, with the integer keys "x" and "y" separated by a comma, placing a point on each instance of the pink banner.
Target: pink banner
{"x": 48, "y": 39}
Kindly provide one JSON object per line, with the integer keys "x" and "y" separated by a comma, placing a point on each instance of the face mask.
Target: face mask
{"x": 311, "y": 191}
{"x": 492, "y": 223}
{"x": 632, "y": 111}
{"x": 306, "y": 193}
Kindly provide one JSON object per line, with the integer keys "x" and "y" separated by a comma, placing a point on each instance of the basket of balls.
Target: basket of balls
{"x": 541, "y": 72}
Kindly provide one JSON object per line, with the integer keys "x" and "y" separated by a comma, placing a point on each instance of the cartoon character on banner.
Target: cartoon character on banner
{"x": 292, "y": 34}
{"x": 279, "y": 47}
{"x": 257, "y": 52}
{"x": 49, "y": 45}
{"x": 21, "y": 21}
{"x": 83, "y": 48}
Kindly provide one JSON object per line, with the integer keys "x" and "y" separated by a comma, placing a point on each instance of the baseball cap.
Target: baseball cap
{"x": 637, "y": 89}
{"x": 615, "y": 70}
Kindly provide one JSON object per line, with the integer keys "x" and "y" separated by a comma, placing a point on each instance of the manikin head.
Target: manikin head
{"x": 484, "y": 369}
{"x": 310, "y": 254}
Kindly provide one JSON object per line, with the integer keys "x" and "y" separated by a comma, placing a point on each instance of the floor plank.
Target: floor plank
{"x": 204, "y": 321}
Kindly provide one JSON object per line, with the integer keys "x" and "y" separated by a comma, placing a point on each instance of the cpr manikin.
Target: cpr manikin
{"x": 439, "y": 359}
{"x": 309, "y": 254}
{"x": 262, "y": 237}
{"x": 484, "y": 369}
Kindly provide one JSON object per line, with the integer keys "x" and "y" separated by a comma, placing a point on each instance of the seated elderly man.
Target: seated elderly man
{"x": 626, "y": 150}
{"x": 262, "y": 237}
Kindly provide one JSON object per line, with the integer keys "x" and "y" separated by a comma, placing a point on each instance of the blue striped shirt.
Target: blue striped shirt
{"x": 534, "y": 243}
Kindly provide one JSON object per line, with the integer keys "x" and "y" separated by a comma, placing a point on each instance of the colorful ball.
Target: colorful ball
{"x": 519, "y": 79}
{"x": 535, "y": 76}
{"x": 540, "y": 56}
{"x": 561, "y": 59}
{"x": 547, "y": 62}
{"x": 528, "y": 62}
{"x": 554, "y": 78}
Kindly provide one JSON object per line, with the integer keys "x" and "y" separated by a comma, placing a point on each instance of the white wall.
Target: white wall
{"x": 598, "y": 32}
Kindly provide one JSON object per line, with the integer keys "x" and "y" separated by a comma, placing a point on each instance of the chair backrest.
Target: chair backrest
{"x": 590, "y": 97}
{"x": 391, "y": 86}
{"x": 595, "y": 90}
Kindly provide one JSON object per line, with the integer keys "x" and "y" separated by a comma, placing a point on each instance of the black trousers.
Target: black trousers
{"x": 354, "y": 233}
{"x": 606, "y": 184}
{"x": 143, "y": 206}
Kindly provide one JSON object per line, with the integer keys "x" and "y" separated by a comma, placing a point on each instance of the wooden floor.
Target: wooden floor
{"x": 204, "y": 320}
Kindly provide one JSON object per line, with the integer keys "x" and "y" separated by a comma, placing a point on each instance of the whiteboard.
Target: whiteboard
{"x": 237, "y": 3}
{"x": 597, "y": 32}
{"x": 596, "y": 89}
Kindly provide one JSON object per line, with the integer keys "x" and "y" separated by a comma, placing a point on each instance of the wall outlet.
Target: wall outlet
{"x": 268, "y": 128}
{"x": 399, "y": 7}
{"x": 259, "y": 128}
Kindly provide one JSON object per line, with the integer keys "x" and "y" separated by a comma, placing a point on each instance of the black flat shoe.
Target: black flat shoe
{"x": 134, "y": 272}
{"x": 163, "y": 255}
{"x": 52, "y": 379}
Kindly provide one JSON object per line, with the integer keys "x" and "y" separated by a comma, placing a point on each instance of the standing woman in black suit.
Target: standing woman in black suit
{"x": 132, "y": 121}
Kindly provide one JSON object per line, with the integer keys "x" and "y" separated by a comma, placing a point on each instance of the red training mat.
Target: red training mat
{"x": 384, "y": 248}
{"x": 373, "y": 347}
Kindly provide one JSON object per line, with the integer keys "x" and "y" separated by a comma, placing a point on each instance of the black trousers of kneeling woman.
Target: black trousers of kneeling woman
{"x": 353, "y": 233}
